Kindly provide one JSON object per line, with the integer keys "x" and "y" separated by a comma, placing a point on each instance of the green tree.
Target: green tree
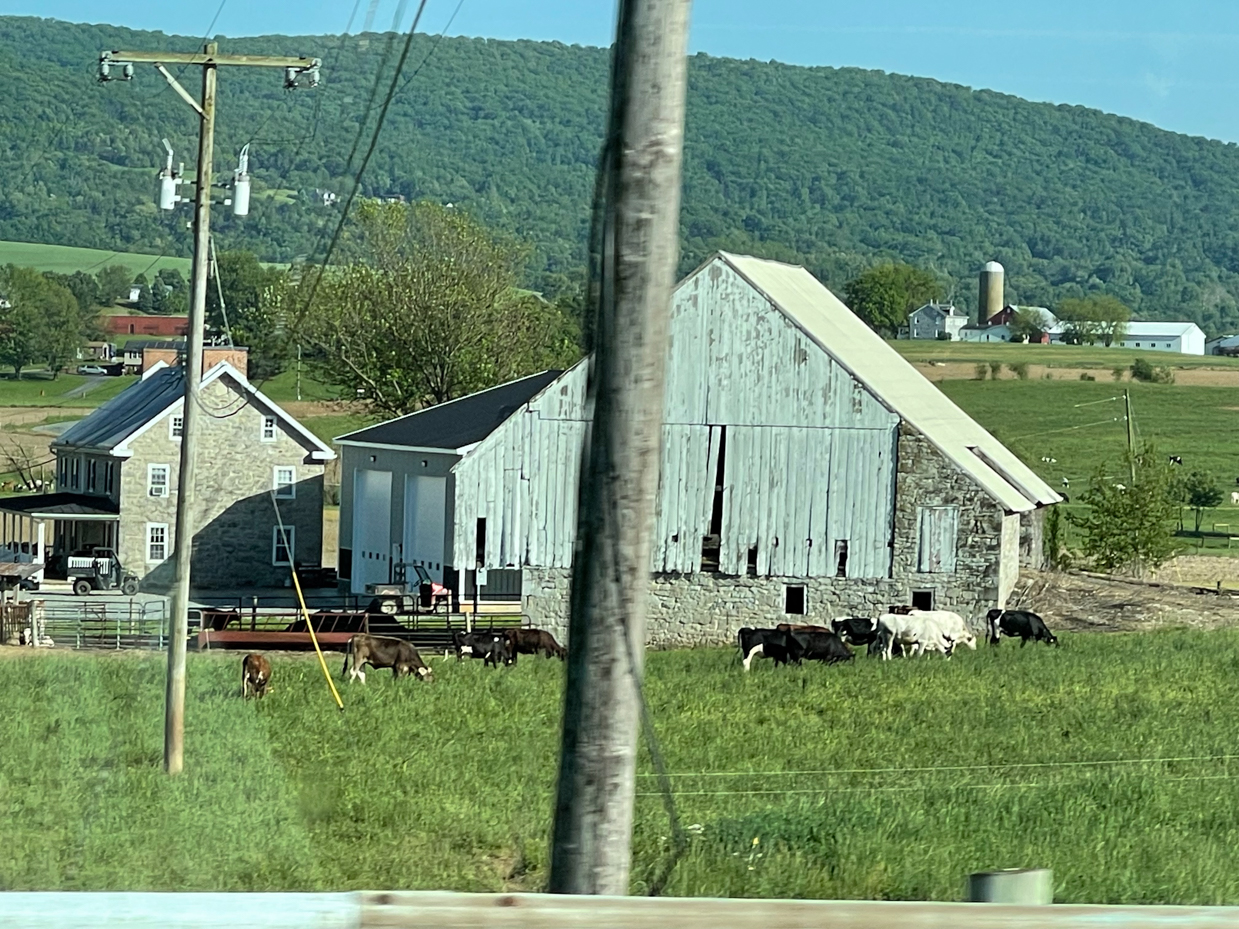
{"x": 1027, "y": 324}
{"x": 1054, "y": 541}
{"x": 253, "y": 312}
{"x": 1128, "y": 527}
{"x": 83, "y": 286}
{"x": 114, "y": 282}
{"x": 1202, "y": 493}
{"x": 1096, "y": 318}
{"x": 427, "y": 310}
{"x": 170, "y": 292}
{"x": 39, "y": 321}
{"x": 884, "y": 295}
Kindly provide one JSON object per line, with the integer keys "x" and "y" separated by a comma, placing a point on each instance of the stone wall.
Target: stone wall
{"x": 708, "y": 609}
{"x": 235, "y": 517}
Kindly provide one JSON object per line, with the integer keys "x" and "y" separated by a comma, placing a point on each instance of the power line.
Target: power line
{"x": 438, "y": 39}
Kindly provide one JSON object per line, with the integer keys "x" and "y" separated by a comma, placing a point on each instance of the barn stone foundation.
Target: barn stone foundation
{"x": 687, "y": 610}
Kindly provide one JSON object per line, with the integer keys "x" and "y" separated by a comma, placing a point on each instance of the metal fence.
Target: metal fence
{"x": 106, "y": 622}
{"x": 434, "y": 910}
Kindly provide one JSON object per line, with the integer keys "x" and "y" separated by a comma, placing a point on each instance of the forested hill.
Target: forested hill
{"x": 835, "y": 168}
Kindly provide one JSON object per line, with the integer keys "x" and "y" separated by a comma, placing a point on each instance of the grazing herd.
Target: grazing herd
{"x": 494, "y": 646}
{"x": 909, "y": 634}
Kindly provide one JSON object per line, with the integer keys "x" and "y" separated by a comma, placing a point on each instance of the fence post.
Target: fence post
{"x": 1024, "y": 886}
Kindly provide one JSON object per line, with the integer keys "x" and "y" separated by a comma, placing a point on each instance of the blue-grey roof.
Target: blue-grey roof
{"x": 118, "y": 418}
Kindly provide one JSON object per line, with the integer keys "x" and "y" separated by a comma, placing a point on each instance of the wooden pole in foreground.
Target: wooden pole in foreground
{"x": 619, "y": 476}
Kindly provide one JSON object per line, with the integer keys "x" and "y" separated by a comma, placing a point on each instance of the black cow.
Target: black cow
{"x": 782, "y": 647}
{"x": 535, "y": 642}
{"x": 1020, "y": 623}
{"x": 822, "y": 646}
{"x": 855, "y": 630}
{"x": 491, "y": 646}
{"x": 381, "y": 652}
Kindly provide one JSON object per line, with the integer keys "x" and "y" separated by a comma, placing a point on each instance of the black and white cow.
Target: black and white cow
{"x": 857, "y": 631}
{"x": 491, "y": 646}
{"x": 776, "y": 644}
{"x": 1022, "y": 623}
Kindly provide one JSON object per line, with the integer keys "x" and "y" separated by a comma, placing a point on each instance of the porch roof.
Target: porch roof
{"x": 61, "y": 506}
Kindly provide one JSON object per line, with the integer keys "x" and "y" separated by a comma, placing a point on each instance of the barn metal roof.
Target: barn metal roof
{"x": 454, "y": 425}
{"x": 61, "y": 506}
{"x": 893, "y": 380}
{"x": 161, "y": 389}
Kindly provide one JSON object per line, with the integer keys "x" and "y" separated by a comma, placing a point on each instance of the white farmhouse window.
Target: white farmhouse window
{"x": 268, "y": 429}
{"x": 176, "y": 427}
{"x": 157, "y": 480}
{"x": 284, "y": 482}
{"x": 937, "y": 528}
{"x": 282, "y": 554}
{"x": 156, "y": 542}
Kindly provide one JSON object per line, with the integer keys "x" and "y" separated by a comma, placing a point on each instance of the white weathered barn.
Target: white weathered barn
{"x": 807, "y": 470}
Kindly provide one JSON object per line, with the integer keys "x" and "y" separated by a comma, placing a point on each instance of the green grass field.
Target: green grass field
{"x": 874, "y": 780}
{"x": 1060, "y": 356}
{"x": 66, "y": 259}
{"x": 38, "y": 390}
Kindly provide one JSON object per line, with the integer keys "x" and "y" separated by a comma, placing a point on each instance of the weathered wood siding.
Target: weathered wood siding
{"x": 808, "y": 455}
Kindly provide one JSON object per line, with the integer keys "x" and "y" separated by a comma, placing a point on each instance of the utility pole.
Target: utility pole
{"x": 592, "y": 837}
{"x": 209, "y": 60}
{"x": 1131, "y": 439}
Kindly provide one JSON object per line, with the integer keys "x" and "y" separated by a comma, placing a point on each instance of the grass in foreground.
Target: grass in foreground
{"x": 869, "y": 781}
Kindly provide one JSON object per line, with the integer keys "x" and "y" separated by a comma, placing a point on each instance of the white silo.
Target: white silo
{"x": 990, "y": 299}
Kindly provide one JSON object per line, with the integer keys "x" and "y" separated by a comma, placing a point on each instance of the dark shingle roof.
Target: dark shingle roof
{"x": 59, "y": 504}
{"x": 115, "y": 421}
{"x": 456, "y": 423}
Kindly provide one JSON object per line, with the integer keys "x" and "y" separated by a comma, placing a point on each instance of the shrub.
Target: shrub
{"x": 1048, "y": 376}
{"x": 1141, "y": 370}
{"x": 1118, "y": 372}
{"x": 1087, "y": 377}
{"x": 1019, "y": 369}
{"x": 980, "y": 371}
{"x": 995, "y": 369}
{"x": 1163, "y": 375}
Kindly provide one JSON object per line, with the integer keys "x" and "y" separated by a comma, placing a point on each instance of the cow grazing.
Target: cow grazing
{"x": 381, "y": 652}
{"x": 1020, "y": 623}
{"x": 255, "y": 676}
{"x": 951, "y": 625}
{"x": 781, "y": 647}
{"x": 491, "y": 646}
{"x": 535, "y": 642}
{"x": 822, "y": 646}
{"x": 856, "y": 631}
{"x": 912, "y": 632}
{"x": 1234, "y": 497}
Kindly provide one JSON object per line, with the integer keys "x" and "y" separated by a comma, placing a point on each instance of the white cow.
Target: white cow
{"x": 1234, "y": 497}
{"x": 951, "y": 625}
{"x": 913, "y": 632}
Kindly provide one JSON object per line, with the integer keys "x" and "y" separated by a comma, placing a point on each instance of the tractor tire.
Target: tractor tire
{"x": 82, "y": 587}
{"x": 129, "y": 586}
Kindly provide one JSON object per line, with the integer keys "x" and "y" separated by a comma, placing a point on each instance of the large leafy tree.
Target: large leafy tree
{"x": 1129, "y": 525}
{"x": 1096, "y": 318}
{"x": 427, "y": 308}
{"x": 884, "y": 295}
{"x": 253, "y": 311}
{"x": 39, "y": 321}
{"x": 1202, "y": 492}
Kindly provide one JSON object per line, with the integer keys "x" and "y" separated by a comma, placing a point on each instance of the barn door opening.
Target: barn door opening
{"x": 711, "y": 545}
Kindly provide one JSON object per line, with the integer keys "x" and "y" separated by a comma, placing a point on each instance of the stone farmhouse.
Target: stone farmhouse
{"x": 117, "y": 474}
{"x": 807, "y": 471}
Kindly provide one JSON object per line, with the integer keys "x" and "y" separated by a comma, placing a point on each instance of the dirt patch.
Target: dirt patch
{"x": 961, "y": 371}
{"x": 26, "y": 415}
{"x": 1088, "y": 603}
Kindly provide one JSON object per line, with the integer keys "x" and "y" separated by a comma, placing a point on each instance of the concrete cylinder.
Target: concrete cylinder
{"x": 990, "y": 299}
{"x": 1027, "y": 886}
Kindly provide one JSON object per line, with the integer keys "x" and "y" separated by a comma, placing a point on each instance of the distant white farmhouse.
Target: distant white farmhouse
{"x": 929, "y": 321}
{"x": 1158, "y": 336}
{"x": 999, "y": 333}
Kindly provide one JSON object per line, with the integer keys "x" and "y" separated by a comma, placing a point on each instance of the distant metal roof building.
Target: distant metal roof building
{"x": 456, "y": 425}
{"x": 895, "y": 382}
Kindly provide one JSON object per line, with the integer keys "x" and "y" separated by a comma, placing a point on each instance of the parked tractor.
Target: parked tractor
{"x": 100, "y": 570}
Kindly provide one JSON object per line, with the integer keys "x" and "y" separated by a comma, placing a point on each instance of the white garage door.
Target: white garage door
{"x": 425, "y": 515}
{"x": 371, "y": 529}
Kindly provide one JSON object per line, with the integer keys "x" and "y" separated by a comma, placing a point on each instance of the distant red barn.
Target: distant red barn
{"x": 147, "y": 325}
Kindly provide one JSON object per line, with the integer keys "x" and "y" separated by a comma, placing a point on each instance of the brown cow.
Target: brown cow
{"x": 535, "y": 642}
{"x": 381, "y": 652}
{"x": 801, "y": 627}
{"x": 255, "y": 676}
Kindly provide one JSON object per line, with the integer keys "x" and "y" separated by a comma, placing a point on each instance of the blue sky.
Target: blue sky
{"x": 1170, "y": 63}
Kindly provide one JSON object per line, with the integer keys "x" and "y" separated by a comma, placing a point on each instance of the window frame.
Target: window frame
{"x": 109, "y": 477}
{"x": 275, "y": 428}
{"x": 92, "y": 476}
{"x": 291, "y": 486}
{"x": 151, "y": 469}
{"x": 149, "y": 542}
{"x": 173, "y": 434}
{"x": 276, "y": 544}
{"x": 75, "y": 472}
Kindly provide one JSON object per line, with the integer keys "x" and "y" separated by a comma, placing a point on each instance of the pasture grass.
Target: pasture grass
{"x": 871, "y": 780}
{"x": 40, "y": 389}
{"x": 1054, "y": 356}
{"x": 66, "y": 259}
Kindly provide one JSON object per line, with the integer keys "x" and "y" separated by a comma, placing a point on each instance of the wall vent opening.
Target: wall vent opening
{"x": 841, "y": 558}
{"x": 922, "y": 599}
{"x": 794, "y": 599}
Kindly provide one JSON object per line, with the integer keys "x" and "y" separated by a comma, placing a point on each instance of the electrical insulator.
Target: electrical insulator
{"x": 127, "y": 70}
{"x": 169, "y": 180}
{"x": 290, "y": 78}
{"x": 312, "y": 75}
{"x": 241, "y": 185}
{"x": 105, "y": 72}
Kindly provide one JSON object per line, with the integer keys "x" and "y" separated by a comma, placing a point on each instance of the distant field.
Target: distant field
{"x": 65, "y": 390}
{"x": 1063, "y": 356}
{"x": 1107, "y": 760}
{"x": 65, "y": 259}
